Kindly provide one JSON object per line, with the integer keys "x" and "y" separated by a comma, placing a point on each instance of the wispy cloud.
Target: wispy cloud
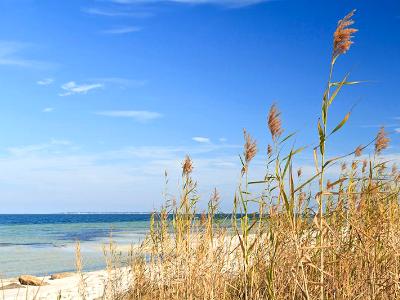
{"x": 10, "y": 55}
{"x": 116, "y": 13}
{"x": 138, "y": 115}
{"x": 61, "y": 142}
{"x": 72, "y": 88}
{"x": 122, "y": 30}
{"x": 45, "y": 81}
{"x": 53, "y": 146}
{"x": 397, "y": 130}
{"x": 227, "y": 3}
{"x": 48, "y": 109}
{"x": 66, "y": 178}
{"x": 119, "y": 81}
{"x": 201, "y": 139}
{"x": 223, "y": 140}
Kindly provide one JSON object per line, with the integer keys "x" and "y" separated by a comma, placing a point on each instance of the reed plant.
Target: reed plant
{"x": 82, "y": 285}
{"x": 291, "y": 235}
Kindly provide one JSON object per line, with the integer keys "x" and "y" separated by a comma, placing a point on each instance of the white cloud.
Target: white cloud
{"x": 62, "y": 142}
{"x": 116, "y": 13}
{"x": 48, "y": 109}
{"x": 119, "y": 81}
{"x": 45, "y": 81}
{"x": 137, "y": 115}
{"x": 122, "y": 30}
{"x": 201, "y": 139}
{"x": 72, "y": 88}
{"x": 10, "y": 56}
{"x": 223, "y": 140}
{"x": 227, "y": 3}
{"x": 159, "y": 153}
{"x": 53, "y": 146}
{"x": 397, "y": 130}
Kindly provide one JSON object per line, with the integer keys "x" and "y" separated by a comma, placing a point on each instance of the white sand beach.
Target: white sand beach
{"x": 96, "y": 285}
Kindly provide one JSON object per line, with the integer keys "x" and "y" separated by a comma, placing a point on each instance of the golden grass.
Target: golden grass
{"x": 349, "y": 248}
{"x": 82, "y": 287}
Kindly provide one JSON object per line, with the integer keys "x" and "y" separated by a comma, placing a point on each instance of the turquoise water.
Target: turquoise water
{"x": 45, "y": 244}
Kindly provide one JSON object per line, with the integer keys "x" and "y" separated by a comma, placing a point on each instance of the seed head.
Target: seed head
{"x": 381, "y": 141}
{"x": 302, "y": 197}
{"x": 394, "y": 170}
{"x": 274, "y": 122}
{"x": 215, "y": 196}
{"x": 364, "y": 166}
{"x": 187, "y": 166}
{"x": 358, "y": 151}
{"x": 269, "y": 150}
{"x": 328, "y": 185}
{"x": 343, "y": 34}
{"x": 382, "y": 168}
{"x": 250, "y": 149}
{"x": 203, "y": 219}
{"x": 299, "y": 172}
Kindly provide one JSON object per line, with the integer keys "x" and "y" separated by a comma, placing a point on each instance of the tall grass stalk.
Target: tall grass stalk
{"x": 82, "y": 286}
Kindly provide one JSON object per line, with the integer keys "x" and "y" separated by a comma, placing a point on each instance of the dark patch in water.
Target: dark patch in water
{"x": 87, "y": 235}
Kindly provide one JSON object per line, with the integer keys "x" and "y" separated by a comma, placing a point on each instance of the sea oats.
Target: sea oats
{"x": 299, "y": 172}
{"x": 250, "y": 147}
{"x": 358, "y": 151}
{"x": 269, "y": 150}
{"x": 274, "y": 122}
{"x": 381, "y": 141}
{"x": 250, "y": 150}
{"x": 394, "y": 170}
{"x": 302, "y": 197}
{"x": 215, "y": 196}
{"x": 364, "y": 165}
{"x": 328, "y": 185}
{"x": 187, "y": 166}
{"x": 343, "y": 34}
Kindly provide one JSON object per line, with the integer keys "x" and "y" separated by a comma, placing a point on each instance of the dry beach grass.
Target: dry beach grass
{"x": 346, "y": 248}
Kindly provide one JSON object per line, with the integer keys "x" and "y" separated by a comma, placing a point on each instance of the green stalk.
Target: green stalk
{"x": 325, "y": 106}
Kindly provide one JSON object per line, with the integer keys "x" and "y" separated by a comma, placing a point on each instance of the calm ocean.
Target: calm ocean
{"x": 44, "y": 244}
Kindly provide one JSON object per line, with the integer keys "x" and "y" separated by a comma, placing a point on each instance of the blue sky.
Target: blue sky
{"x": 98, "y": 98}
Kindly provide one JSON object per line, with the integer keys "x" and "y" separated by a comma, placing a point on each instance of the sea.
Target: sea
{"x": 42, "y": 244}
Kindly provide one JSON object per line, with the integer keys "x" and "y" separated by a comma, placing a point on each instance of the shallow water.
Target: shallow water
{"x": 45, "y": 244}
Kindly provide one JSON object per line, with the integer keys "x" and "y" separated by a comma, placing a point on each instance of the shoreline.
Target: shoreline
{"x": 95, "y": 286}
